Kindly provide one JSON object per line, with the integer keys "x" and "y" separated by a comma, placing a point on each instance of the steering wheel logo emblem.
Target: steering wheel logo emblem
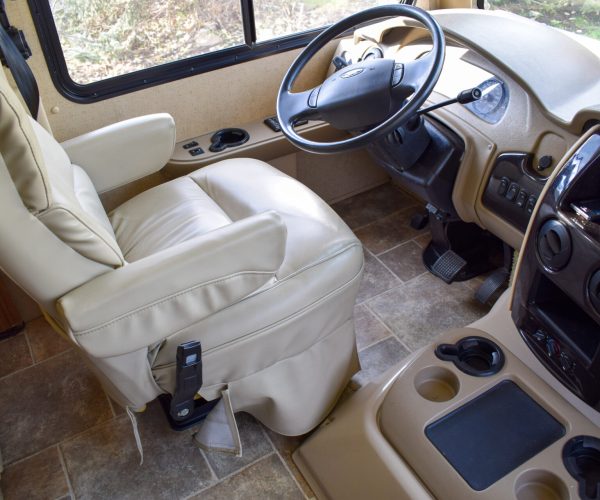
{"x": 352, "y": 72}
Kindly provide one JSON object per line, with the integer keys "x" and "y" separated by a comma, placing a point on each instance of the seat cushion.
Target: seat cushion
{"x": 164, "y": 216}
{"x": 244, "y": 187}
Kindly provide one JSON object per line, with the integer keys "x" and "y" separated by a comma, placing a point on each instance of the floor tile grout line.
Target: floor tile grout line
{"x": 368, "y": 346}
{"x": 418, "y": 236}
{"x": 20, "y": 370}
{"x": 389, "y": 269}
{"x": 399, "y": 285}
{"x": 213, "y": 474}
{"x": 65, "y": 469}
{"x": 228, "y": 476}
{"x": 28, "y": 342}
{"x": 405, "y": 242}
{"x": 418, "y": 276}
{"x": 22, "y": 459}
{"x": 383, "y": 264}
{"x": 64, "y": 441}
{"x": 394, "y": 334}
{"x": 380, "y": 341}
{"x": 110, "y": 404}
{"x": 285, "y": 465}
{"x": 379, "y": 320}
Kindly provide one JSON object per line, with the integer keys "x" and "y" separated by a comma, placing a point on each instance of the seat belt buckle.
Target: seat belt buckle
{"x": 188, "y": 379}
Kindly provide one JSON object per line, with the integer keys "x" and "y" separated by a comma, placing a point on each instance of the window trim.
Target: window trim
{"x": 45, "y": 26}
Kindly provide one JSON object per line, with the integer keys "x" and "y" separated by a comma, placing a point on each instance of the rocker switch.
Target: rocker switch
{"x": 522, "y": 199}
{"x": 503, "y": 186}
{"x": 513, "y": 191}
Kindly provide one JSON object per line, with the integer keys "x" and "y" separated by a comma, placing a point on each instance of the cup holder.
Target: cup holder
{"x": 540, "y": 484}
{"x": 228, "y": 138}
{"x": 436, "y": 384}
{"x": 475, "y": 356}
{"x": 581, "y": 456}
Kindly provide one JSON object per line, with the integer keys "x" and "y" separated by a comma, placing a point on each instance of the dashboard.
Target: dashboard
{"x": 495, "y": 94}
{"x": 527, "y": 119}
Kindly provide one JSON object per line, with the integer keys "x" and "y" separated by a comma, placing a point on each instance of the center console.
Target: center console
{"x": 481, "y": 412}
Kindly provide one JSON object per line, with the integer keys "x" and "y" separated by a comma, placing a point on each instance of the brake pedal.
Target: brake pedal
{"x": 448, "y": 266}
{"x": 492, "y": 284}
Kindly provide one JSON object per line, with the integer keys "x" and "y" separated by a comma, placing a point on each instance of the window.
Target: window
{"x": 100, "y": 48}
{"x": 577, "y": 16}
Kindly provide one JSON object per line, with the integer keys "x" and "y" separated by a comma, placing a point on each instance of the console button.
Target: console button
{"x": 540, "y": 336}
{"x": 530, "y": 205}
{"x": 196, "y": 151}
{"x": 565, "y": 362}
{"x": 273, "y": 124}
{"x": 521, "y": 199}
{"x": 551, "y": 347}
{"x": 190, "y": 145}
{"x": 503, "y": 186}
{"x": 513, "y": 191}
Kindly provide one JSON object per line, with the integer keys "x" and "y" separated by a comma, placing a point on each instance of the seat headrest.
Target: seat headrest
{"x": 21, "y": 151}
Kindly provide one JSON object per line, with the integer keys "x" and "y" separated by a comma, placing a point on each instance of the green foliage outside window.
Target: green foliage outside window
{"x": 577, "y": 16}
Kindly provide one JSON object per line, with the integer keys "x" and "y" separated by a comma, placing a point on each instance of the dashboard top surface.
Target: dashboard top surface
{"x": 556, "y": 68}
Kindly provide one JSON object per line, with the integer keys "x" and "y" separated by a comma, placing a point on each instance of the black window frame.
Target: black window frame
{"x": 45, "y": 26}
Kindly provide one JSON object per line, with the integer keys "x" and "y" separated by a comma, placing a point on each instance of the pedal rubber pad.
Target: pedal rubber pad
{"x": 492, "y": 284}
{"x": 448, "y": 266}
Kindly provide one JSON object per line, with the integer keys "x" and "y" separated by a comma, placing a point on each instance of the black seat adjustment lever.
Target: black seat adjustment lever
{"x": 188, "y": 379}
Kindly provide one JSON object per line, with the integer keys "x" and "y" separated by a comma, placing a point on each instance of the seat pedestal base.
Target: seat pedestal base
{"x": 201, "y": 409}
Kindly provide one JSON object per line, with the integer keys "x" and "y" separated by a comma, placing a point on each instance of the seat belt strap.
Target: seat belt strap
{"x": 14, "y": 58}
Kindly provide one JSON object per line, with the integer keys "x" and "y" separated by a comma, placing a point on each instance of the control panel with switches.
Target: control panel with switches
{"x": 556, "y": 302}
{"x": 512, "y": 191}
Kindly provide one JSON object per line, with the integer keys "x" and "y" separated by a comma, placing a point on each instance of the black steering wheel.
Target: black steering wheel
{"x": 369, "y": 97}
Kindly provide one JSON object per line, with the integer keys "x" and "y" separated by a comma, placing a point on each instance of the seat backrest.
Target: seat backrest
{"x": 54, "y": 232}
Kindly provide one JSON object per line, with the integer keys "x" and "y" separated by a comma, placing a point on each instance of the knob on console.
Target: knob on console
{"x": 594, "y": 290}
{"x": 554, "y": 245}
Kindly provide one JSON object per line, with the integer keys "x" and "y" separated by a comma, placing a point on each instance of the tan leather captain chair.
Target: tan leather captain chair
{"x": 236, "y": 255}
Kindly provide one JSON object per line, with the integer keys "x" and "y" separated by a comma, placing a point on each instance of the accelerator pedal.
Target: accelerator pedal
{"x": 490, "y": 287}
{"x": 448, "y": 266}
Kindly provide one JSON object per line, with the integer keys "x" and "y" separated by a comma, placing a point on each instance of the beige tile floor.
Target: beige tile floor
{"x": 61, "y": 437}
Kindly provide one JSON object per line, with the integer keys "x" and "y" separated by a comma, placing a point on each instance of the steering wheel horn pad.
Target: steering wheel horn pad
{"x": 369, "y": 98}
{"x": 357, "y": 96}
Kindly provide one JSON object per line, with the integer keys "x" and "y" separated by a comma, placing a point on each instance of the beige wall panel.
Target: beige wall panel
{"x": 339, "y": 176}
{"x": 248, "y": 92}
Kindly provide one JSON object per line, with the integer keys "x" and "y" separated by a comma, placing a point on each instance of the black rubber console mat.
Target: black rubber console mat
{"x": 494, "y": 434}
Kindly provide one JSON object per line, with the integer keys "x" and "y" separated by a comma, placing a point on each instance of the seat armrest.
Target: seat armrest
{"x": 125, "y": 151}
{"x": 148, "y": 300}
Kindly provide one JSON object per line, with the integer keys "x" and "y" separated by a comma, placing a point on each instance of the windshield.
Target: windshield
{"x": 577, "y": 16}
